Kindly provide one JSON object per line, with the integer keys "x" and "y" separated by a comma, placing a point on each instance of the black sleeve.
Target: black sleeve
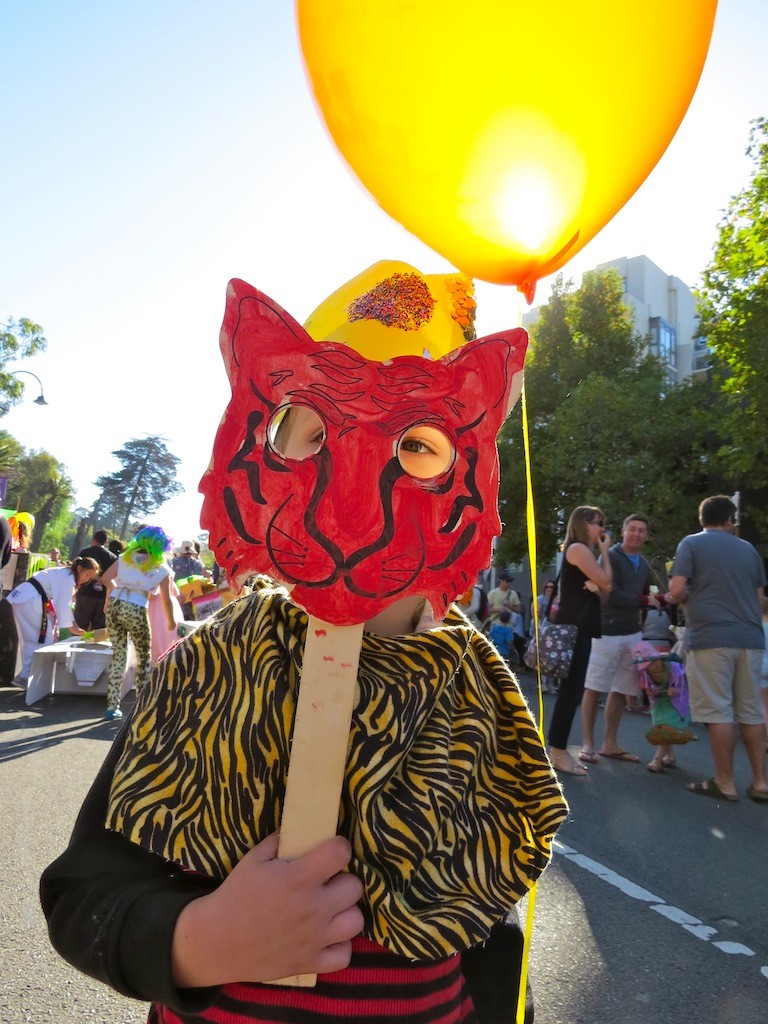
{"x": 492, "y": 972}
{"x": 112, "y": 907}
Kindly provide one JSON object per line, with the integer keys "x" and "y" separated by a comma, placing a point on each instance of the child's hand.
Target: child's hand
{"x": 271, "y": 919}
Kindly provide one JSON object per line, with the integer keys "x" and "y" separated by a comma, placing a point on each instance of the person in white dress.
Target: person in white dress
{"x": 29, "y": 601}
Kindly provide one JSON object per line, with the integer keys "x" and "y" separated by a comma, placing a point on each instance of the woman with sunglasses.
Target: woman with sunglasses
{"x": 582, "y": 579}
{"x": 546, "y": 610}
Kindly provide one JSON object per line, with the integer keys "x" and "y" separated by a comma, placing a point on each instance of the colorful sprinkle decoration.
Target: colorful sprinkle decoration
{"x": 402, "y": 300}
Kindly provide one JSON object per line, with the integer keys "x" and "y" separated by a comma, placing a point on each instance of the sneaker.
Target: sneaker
{"x": 113, "y": 713}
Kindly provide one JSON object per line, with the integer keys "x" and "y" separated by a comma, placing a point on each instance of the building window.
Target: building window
{"x": 702, "y": 356}
{"x": 664, "y": 341}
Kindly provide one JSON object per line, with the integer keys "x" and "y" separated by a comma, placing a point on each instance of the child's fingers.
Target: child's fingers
{"x": 323, "y": 861}
{"x": 266, "y": 849}
{"x": 334, "y": 958}
{"x": 345, "y": 925}
{"x": 342, "y": 893}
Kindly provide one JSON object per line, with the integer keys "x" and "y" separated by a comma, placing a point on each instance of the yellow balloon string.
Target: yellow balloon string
{"x": 531, "y": 524}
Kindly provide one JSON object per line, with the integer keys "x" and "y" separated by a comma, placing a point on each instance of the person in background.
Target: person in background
{"x": 162, "y": 637}
{"x": 582, "y": 578}
{"x": 611, "y": 669}
{"x": 116, "y": 546}
{"x": 502, "y": 597}
{"x": 473, "y": 603}
{"x": 23, "y": 536}
{"x": 721, "y": 579}
{"x": 29, "y": 601}
{"x": 90, "y": 600}
{"x": 662, "y": 677}
{"x": 9, "y": 643}
{"x": 764, "y": 667}
{"x": 185, "y": 564}
{"x": 135, "y": 574}
{"x": 548, "y": 593}
{"x": 519, "y": 643}
{"x": 6, "y": 542}
{"x": 502, "y": 635}
{"x": 657, "y": 623}
{"x": 99, "y": 551}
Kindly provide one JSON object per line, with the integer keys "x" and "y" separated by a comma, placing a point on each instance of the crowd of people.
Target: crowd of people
{"x": 603, "y": 589}
{"x": 127, "y": 592}
{"x": 627, "y": 655}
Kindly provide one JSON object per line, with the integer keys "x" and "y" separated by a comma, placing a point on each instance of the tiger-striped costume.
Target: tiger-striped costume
{"x": 449, "y": 802}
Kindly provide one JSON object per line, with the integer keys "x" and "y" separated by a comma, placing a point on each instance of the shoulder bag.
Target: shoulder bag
{"x": 552, "y": 649}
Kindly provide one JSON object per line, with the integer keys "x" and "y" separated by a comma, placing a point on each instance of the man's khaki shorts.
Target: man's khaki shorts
{"x": 724, "y": 685}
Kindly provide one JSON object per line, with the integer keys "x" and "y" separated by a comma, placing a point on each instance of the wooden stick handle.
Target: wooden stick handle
{"x": 319, "y": 746}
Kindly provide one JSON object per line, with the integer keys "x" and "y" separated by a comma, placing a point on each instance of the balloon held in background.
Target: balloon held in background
{"x": 503, "y": 134}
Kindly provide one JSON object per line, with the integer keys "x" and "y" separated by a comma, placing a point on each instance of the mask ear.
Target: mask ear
{"x": 252, "y": 323}
{"x": 491, "y": 368}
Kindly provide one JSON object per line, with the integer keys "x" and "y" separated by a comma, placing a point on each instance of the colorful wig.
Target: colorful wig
{"x": 152, "y": 541}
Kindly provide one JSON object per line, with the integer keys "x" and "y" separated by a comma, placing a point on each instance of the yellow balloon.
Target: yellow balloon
{"x": 504, "y": 134}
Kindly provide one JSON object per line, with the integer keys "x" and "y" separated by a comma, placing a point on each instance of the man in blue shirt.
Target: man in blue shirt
{"x": 611, "y": 668}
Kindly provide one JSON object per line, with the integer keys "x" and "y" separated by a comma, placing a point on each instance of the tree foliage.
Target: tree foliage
{"x": 19, "y": 339}
{"x": 733, "y": 305}
{"x": 10, "y": 453}
{"x": 604, "y": 428}
{"x": 146, "y": 479}
{"x": 39, "y": 484}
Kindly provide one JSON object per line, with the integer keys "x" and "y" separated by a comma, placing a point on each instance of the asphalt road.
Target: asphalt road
{"x": 655, "y": 908}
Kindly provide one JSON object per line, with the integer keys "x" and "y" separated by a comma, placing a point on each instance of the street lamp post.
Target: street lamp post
{"x": 40, "y": 400}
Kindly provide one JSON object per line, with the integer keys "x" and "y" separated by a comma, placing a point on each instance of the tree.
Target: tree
{"x": 10, "y": 453}
{"x": 604, "y": 427}
{"x": 733, "y": 306}
{"x": 146, "y": 480}
{"x": 39, "y": 485}
{"x": 19, "y": 339}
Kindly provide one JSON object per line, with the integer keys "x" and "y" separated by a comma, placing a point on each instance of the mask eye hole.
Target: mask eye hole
{"x": 425, "y": 452}
{"x": 295, "y": 432}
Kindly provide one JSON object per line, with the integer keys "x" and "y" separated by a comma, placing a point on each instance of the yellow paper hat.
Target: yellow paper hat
{"x": 392, "y": 309}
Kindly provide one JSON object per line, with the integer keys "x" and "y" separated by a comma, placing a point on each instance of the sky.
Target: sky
{"x": 154, "y": 150}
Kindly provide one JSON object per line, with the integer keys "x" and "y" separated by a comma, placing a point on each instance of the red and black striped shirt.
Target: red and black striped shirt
{"x": 377, "y": 988}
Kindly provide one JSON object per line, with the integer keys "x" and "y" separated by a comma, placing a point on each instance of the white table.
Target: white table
{"x": 75, "y": 666}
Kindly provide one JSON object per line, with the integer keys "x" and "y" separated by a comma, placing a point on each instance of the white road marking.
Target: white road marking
{"x": 691, "y": 924}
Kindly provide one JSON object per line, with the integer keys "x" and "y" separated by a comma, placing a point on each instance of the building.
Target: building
{"x": 665, "y": 310}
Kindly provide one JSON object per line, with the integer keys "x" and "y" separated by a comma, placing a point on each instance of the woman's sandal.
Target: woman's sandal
{"x": 656, "y": 766}
{"x": 669, "y": 762}
{"x": 588, "y": 756}
{"x": 567, "y": 766}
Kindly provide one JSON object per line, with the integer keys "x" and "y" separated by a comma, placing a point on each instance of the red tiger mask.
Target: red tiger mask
{"x": 380, "y": 482}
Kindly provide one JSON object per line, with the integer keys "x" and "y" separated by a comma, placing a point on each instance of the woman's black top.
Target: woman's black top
{"x": 578, "y": 607}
